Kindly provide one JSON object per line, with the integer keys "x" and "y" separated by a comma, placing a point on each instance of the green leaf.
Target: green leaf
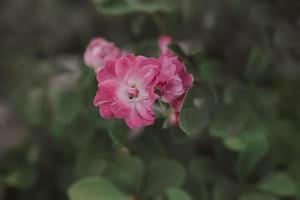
{"x": 252, "y": 153}
{"x": 67, "y": 106}
{"x": 91, "y": 167}
{"x": 197, "y": 110}
{"x": 234, "y": 143}
{"x": 224, "y": 190}
{"x": 257, "y": 64}
{"x": 95, "y": 188}
{"x": 123, "y": 7}
{"x": 178, "y": 51}
{"x": 163, "y": 174}
{"x": 117, "y": 132}
{"x": 278, "y": 184}
{"x": 126, "y": 172}
{"x": 257, "y": 196}
{"x": 21, "y": 177}
{"x": 177, "y": 194}
{"x": 113, "y": 7}
{"x": 205, "y": 170}
{"x": 34, "y": 111}
{"x": 209, "y": 70}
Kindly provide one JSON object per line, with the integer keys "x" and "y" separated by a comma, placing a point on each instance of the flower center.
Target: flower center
{"x": 132, "y": 91}
{"x": 159, "y": 89}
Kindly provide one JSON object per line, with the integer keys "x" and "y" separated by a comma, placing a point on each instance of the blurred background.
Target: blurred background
{"x": 241, "y": 122}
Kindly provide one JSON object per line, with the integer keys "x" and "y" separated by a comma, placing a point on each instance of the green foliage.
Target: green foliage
{"x": 197, "y": 110}
{"x": 177, "y": 194}
{"x": 278, "y": 184}
{"x": 238, "y": 134}
{"x": 94, "y": 189}
{"x": 126, "y": 172}
{"x": 163, "y": 174}
{"x": 257, "y": 196}
{"x": 122, "y": 7}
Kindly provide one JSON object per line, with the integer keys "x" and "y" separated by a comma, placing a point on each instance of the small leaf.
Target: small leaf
{"x": 123, "y": 7}
{"x": 177, "y": 194}
{"x": 126, "y": 172}
{"x": 95, "y": 188}
{"x": 204, "y": 170}
{"x": 197, "y": 110}
{"x": 163, "y": 174}
{"x": 21, "y": 177}
{"x": 257, "y": 196}
{"x": 67, "y": 106}
{"x": 117, "y": 132}
{"x": 278, "y": 184}
{"x": 178, "y": 51}
{"x": 224, "y": 190}
{"x": 209, "y": 70}
{"x": 252, "y": 153}
{"x": 234, "y": 143}
{"x": 34, "y": 110}
{"x": 257, "y": 64}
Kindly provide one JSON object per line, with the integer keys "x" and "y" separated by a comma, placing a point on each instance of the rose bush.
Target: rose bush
{"x": 177, "y": 100}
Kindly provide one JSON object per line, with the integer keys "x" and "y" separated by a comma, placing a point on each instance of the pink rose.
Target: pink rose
{"x": 173, "y": 80}
{"x": 99, "y": 51}
{"x": 126, "y": 90}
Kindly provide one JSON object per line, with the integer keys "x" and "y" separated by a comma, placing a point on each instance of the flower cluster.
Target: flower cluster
{"x": 129, "y": 85}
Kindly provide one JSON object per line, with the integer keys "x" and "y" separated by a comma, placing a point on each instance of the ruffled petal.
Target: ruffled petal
{"x": 124, "y": 66}
{"x": 135, "y": 120}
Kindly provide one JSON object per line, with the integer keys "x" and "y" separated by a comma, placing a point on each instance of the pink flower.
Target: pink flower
{"x": 173, "y": 81}
{"x": 98, "y": 52}
{"x": 126, "y": 90}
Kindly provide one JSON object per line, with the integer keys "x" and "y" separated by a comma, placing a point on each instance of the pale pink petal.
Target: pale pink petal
{"x": 124, "y": 66}
{"x": 148, "y": 73}
{"x": 105, "y": 111}
{"x": 145, "y": 112}
{"x": 163, "y": 42}
{"x": 143, "y": 61}
{"x": 107, "y": 90}
{"x": 98, "y": 52}
{"x": 173, "y": 89}
{"x": 168, "y": 68}
{"x": 135, "y": 120}
{"x": 120, "y": 109}
{"x": 108, "y": 72}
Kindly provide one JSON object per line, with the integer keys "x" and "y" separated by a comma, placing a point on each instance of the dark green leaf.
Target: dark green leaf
{"x": 209, "y": 70}
{"x": 122, "y": 7}
{"x": 117, "y": 132}
{"x": 177, "y": 194}
{"x": 257, "y": 196}
{"x": 205, "y": 171}
{"x": 257, "y": 64}
{"x": 252, "y": 153}
{"x": 224, "y": 190}
{"x": 126, "y": 172}
{"x": 278, "y": 184}
{"x": 197, "y": 110}
{"x": 163, "y": 174}
{"x": 21, "y": 177}
{"x": 67, "y": 106}
{"x": 34, "y": 106}
{"x": 95, "y": 189}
